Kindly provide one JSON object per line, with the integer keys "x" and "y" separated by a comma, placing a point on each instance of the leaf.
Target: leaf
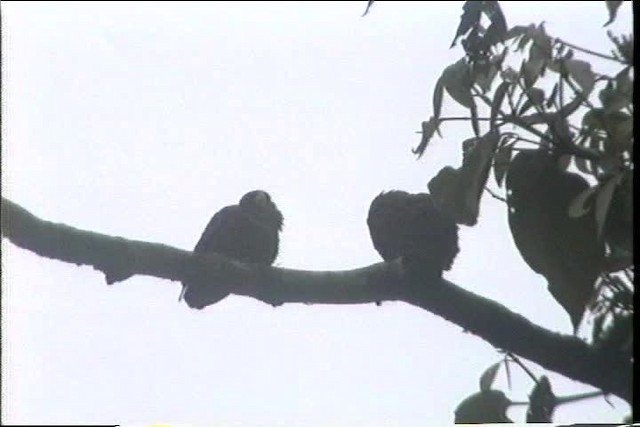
{"x": 517, "y": 31}
{"x": 458, "y": 191}
{"x": 498, "y": 28}
{"x": 471, "y": 13}
{"x": 612, "y": 7}
{"x": 457, "y": 82}
{"x": 577, "y": 207}
{"x": 611, "y": 99}
{"x": 488, "y": 376}
{"x": 542, "y": 402}
{"x": 438, "y": 93}
{"x": 501, "y": 162}
{"x": 488, "y": 406}
{"x": 535, "y": 97}
{"x": 474, "y": 119}
{"x": 618, "y": 228}
{"x": 603, "y": 200}
{"x": 369, "y": 4}
{"x": 484, "y": 79}
{"x": 496, "y": 104}
{"x": 531, "y": 71}
{"x": 428, "y": 129}
{"x": 564, "y": 248}
{"x": 552, "y": 97}
{"x": 580, "y": 71}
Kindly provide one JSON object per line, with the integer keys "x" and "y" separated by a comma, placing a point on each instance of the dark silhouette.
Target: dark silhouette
{"x": 246, "y": 232}
{"x": 412, "y": 227}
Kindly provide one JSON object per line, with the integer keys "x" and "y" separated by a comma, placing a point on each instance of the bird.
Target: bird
{"x": 412, "y": 227}
{"x": 247, "y": 232}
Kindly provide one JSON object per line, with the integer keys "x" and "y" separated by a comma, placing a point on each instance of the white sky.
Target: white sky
{"x": 142, "y": 120}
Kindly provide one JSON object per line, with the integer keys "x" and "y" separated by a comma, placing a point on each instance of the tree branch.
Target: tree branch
{"x": 119, "y": 259}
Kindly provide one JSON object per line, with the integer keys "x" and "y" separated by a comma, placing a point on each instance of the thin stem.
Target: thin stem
{"x": 590, "y": 52}
{"x": 514, "y": 358}
{"x": 494, "y": 195}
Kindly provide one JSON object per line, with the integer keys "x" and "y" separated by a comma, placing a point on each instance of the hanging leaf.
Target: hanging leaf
{"x": 428, "y": 129}
{"x": 613, "y": 99}
{"x": 580, "y": 71}
{"x": 531, "y": 71}
{"x": 618, "y": 228}
{"x": 496, "y": 104}
{"x": 369, "y": 4}
{"x": 579, "y": 205}
{"x": 438, "y": 92}
{"x": 552, "y": 98}
{"x": 603, "y": 200}
{"x": 488, "y": 406}
{"x": 471, "y": 13}
{"x": 458, "y": 191}
{"x": 535, "y": 97}
{"x": 501, "y": 162}
{"x": 485, "y": 78}
{"x": 456, "y": 79}
{"x": 474, "y": 119}
{"x": 563, "y": 248}
{"x": 518, "y": 31}
{"x": 488, "y": 376}
{"x": 612, "y": 7}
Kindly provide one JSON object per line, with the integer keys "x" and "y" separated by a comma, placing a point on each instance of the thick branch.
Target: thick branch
{"x": 119, "y": 259}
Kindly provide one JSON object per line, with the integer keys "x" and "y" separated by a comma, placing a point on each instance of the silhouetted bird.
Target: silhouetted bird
{"x": 412, "y": 227}
{"x": 246, "y": 232}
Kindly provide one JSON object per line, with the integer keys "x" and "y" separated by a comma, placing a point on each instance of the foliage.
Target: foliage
{"x": 562, "y": 135}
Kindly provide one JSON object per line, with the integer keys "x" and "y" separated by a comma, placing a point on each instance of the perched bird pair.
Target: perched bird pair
{"x": 401, "y": 225}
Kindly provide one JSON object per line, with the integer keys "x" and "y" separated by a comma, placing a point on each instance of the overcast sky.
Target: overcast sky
{"x": 141, "y": 120}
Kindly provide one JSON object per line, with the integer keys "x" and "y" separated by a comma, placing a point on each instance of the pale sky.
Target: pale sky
{"x": 141, "y": 120}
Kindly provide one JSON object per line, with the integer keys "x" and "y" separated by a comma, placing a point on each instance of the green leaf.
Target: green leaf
{"x": 428, "y": 129}
{"x": 618, "y": 228}
{"x": 564, "y": 248}
{"x": 458, "y": 191}
{"x": 612, "y": 7}
{"x": 578, "y": 206}
{"x": 552, "y": 97}
{"x": 518, "y": 31}
{"x": 484, "y": 79}
{"x": 488, "y": 376}
{"x": 612, "y": 99}
{"x": 501, "y": 162}
{"x": 471, "y": 13}
{"x": 580, "y": 71}
{"x": 457, "y": 81}
{"x": 474, "y": 119}
{"x": 535, "y": 97}
{"x": 488, "y": 406}
{"x": 603, "y": 200}
{"x": 531, "y": 71}
{"x": 496, "y": 104}
{"x": 438, "y": 93}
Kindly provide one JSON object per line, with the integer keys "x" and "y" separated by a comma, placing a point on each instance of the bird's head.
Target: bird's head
{"x": 259, "y": 203}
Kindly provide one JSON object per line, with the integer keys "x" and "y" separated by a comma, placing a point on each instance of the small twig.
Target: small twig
{"x": 494, "y": 195}
{"x": 519, "y": 362}
{"x": 590, "y": 52}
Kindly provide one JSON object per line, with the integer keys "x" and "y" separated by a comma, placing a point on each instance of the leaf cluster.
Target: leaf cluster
{"x": 557, "y": 136}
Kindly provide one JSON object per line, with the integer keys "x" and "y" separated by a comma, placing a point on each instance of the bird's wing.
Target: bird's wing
{"x": 224, "y": 223}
